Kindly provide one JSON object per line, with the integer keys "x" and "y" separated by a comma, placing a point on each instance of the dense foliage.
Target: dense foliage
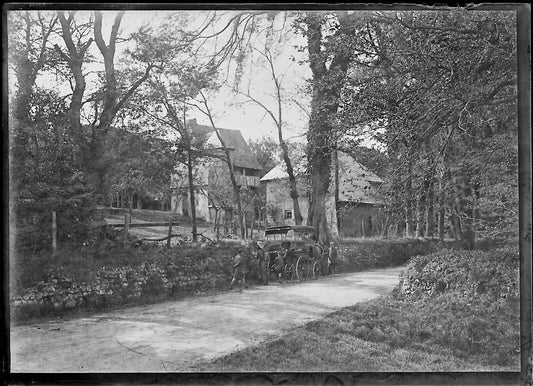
{"x": 46, "y": 175}
{"x": 436, "y": 90}
{"x": 440, "y": 89}
{"x": 140, "y": 173}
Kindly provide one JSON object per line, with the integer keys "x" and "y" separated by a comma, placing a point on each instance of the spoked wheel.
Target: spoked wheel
{"x": 317, "y": 267}
{"x": 290, "y": 271}
{"x": 302, "y": 268}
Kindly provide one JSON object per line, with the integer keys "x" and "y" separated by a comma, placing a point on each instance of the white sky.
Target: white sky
{"x": 226, "y": 106}
{"x": 249, "y": 118}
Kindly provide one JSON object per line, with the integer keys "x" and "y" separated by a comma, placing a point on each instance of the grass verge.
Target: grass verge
{"x": 458, "y": 329}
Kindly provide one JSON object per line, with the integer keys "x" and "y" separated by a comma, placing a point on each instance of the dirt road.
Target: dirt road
{"x": 174, "y": 335}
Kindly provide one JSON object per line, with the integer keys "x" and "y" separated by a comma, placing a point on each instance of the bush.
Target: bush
{"x": 359, "y": 254}
{"x": 75, "y": 216}
{"x": 492, "y": 274}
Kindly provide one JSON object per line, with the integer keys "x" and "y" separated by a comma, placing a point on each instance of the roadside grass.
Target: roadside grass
{"x": 455, "y": 330}
{"x": 350, "y": 340}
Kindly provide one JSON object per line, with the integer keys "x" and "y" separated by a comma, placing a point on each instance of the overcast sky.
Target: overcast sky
{"x": 227, "y": 107}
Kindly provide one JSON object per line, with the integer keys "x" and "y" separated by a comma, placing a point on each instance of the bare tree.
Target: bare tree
{"x": 277, "y": 118}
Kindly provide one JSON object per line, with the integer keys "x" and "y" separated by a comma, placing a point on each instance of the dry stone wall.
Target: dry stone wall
{"x": 115, "y": 285}
{"x": 171, "y": 278}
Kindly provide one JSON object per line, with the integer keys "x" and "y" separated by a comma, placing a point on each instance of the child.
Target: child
{"x": 240, "y": 268}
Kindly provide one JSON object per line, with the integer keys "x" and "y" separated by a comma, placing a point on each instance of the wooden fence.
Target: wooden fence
{"x": 126, "y": 225}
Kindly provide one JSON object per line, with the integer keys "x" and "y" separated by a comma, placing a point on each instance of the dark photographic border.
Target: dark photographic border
{"x": 523, "y": 13}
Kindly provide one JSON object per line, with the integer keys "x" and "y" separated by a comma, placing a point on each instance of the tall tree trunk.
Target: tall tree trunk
{"x": 130, "y": 203}
{"x": 430, "y": 210}
{"x": 408, "y": 205}
{"x": 96, "y": 160}
{"x": 467, "y": 231}
{"x": 292, "y": 180}
{"x": 192, "y": 194}
{"x": 457, "y": 209}
{"x": 420, "y": 214}
{"x": 327, "y": 86}
{"x": 75, "y": 58}
{"x": 337, "y": 212}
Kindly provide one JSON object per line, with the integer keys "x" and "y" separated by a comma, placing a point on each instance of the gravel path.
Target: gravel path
{"x": 175, "y": 335}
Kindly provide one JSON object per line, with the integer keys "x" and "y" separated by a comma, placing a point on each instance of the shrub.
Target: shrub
{"x": 358, "y": 254}
{"x": 469, "y": 273}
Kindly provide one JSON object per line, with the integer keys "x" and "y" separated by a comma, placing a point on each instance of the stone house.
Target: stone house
{"x": 357, "y": 212}
{"x": 213, "y": 189}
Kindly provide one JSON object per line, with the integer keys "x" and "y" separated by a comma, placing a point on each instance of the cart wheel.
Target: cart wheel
{"x": 290, "y": 271}
{"x": 316, "y": 269}
{"x": 302, "y": 268}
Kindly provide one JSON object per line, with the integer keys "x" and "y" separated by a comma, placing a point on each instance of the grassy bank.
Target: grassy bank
{"x": 469, "y": 323}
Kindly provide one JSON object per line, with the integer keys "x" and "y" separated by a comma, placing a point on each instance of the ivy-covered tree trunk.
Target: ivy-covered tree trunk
{"x": 327, "y": 86}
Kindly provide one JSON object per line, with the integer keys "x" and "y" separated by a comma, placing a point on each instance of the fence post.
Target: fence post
{"x": 363, "y": 227}
{"x": 54, "y": 231}
{"x": 169, "y": 231}
{"x": 126, "y": 224}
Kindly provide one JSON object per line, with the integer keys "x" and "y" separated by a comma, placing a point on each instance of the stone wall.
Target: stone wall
{"x": 193, "y": 271}
{"x": 114, "y": 286}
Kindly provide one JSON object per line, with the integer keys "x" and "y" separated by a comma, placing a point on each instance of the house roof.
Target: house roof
{"x": 279, "y": 172}
{"x": 355, "y": 181}
{"x": 240, "y": 152}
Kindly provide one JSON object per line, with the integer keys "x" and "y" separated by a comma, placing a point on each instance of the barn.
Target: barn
{"x": 359, "y": 205}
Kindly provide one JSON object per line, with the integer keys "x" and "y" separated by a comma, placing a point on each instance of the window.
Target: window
{"x": 288, "y": 214}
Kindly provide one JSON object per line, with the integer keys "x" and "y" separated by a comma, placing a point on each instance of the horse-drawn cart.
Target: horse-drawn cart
{"x": 292, "y": 252}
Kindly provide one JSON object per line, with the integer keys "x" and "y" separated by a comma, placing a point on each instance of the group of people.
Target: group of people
{"x": 252, "y": 263}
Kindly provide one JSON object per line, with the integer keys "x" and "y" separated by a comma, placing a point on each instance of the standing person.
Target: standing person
{"x": 262, "y": 264}
{"x": 279, "y": 262}
{"x": 332, "y": 258}
{"x": 239, "y": 269}
{"x": 319, "y": 254}
{"x": 258, "y": 267}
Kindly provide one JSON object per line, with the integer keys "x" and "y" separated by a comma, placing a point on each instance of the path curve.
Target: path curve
{"x": 175, "y": 335}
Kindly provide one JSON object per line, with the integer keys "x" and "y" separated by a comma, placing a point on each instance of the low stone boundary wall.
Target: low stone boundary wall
{"x": 113, "y": 286}
{"x": 172, "y": 277}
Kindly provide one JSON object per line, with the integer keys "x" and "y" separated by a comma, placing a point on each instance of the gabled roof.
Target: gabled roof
{"x": 355, "y": 181}
{"x": 241, "y": 155}
{"x": 279, "y": 172}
